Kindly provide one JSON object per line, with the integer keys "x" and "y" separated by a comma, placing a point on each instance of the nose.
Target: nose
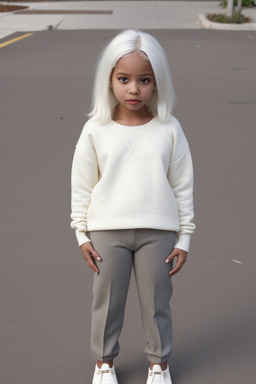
{"x": 134, "y": 89}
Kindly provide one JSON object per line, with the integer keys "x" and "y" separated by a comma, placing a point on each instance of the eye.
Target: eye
{"x": 123, "y": 79}
{"x": 144, "y": 80}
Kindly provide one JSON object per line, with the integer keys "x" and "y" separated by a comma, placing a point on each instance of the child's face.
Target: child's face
{"x": 133, "y": 83}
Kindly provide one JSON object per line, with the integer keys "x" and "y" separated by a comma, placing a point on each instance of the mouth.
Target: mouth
{"x": 133, "y": 101}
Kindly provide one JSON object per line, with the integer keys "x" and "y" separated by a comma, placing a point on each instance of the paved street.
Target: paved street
{"x": 45, "y": 90}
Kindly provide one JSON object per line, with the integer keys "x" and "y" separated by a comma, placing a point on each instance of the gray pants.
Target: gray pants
{"x": 145, "y": 250}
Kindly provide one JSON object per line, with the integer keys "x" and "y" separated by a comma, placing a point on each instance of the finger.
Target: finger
{"x": 177, "y": 268}
{"x": 91, "y": 262}
{"x": 171, "y": 256}
{"x": 89, "y": 254}
{"x": 96, "y": 255}
{"x": 89, "y": 248}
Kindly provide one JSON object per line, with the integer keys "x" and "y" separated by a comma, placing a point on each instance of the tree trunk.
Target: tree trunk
{"x": 230, "y": 8}
{"x": 239, "y": 5}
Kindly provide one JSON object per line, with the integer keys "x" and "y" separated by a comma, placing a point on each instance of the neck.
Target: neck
{"x": 132, "y": 118}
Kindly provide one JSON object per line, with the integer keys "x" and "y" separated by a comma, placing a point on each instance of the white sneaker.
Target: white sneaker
{"x": 104, "y": 375}
{"x": 157, "y": 376}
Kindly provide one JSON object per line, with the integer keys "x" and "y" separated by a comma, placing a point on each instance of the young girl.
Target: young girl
{"x": 132, "y": 198}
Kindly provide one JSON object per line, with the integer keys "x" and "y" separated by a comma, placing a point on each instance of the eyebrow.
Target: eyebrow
{"x": 140, "y": 75}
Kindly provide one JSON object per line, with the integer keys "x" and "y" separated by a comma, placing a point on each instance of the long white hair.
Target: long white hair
{"x": 129, "y": 41}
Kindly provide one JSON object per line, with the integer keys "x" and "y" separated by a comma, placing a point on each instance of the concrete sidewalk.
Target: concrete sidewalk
{"x": 77, "y": 15}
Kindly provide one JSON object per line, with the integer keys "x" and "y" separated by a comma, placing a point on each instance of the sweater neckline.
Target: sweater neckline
{"x": 133, "y": 129}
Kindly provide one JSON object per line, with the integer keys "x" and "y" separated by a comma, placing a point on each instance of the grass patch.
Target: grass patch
{"x": 236, "y": 18}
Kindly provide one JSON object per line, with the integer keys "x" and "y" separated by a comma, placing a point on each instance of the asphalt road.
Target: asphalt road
{"x": 45, "y": 90}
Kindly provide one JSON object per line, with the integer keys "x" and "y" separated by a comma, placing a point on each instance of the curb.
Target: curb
{"x": 205, "y": 23}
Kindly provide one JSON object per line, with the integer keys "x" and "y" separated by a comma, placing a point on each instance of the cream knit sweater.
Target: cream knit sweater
{"x": 133, "y": 177}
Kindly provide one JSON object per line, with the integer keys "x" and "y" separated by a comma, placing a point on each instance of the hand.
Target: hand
{"x": 89, "y": 254}
{"x": 181, "y": 259}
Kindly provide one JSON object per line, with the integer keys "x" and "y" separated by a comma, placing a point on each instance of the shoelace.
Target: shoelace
{"x": 154, "y": 373}
{"x": 101, "y": 372}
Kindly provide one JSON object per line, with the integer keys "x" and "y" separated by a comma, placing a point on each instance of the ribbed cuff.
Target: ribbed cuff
{"x": 82, "y": 237}
{"x": 183, "y": 242}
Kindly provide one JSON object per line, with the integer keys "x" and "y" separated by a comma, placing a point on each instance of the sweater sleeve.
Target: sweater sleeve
{"x": 180, "y": 176}
{"x": 84, "y": 177}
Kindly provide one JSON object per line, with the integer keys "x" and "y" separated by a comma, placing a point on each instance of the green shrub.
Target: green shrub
{"x": 245, "y": 3}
